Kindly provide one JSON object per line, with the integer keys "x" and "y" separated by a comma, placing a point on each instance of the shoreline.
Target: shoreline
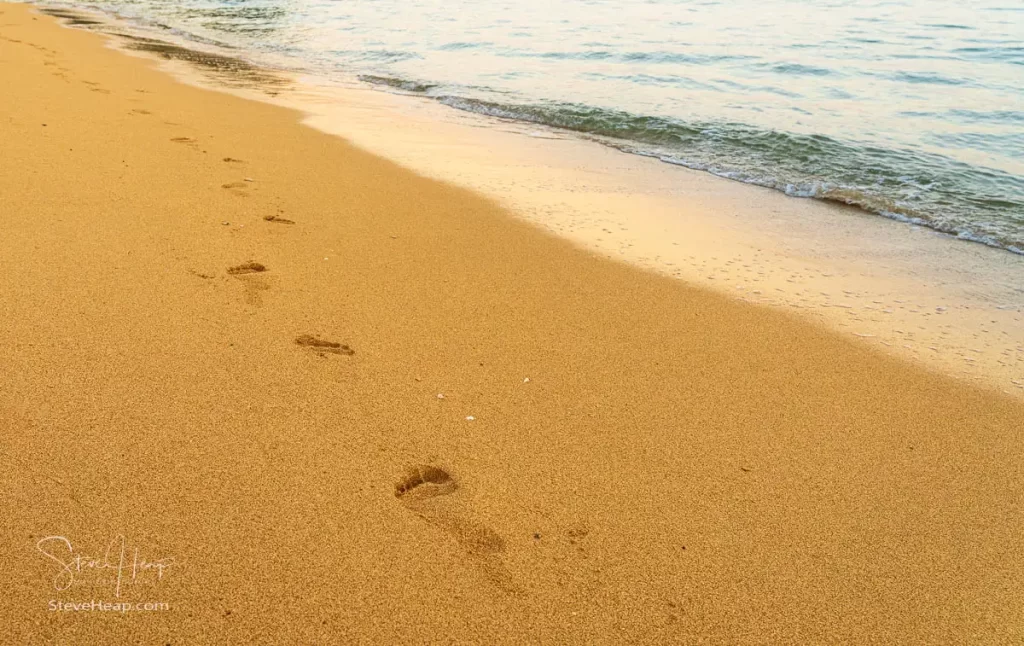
{"x": 339, "y": 400}
{"x": 906, "y": 289}
{"x": 199, "y": 36}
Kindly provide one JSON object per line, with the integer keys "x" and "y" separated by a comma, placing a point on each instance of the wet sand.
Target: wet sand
{"x": 328, "y": 400}
{"x": 910, "y": 291}
{"x": 907, "y": 290}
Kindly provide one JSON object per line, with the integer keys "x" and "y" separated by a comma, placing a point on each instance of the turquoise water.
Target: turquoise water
{"x": 912, "y": 109}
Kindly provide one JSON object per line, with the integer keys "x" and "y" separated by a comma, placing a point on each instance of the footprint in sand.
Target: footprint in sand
{"x": 188, "y": 141}
{"x": 424, "y": 481}
{"x": 427, "y": 491}
{"x": 253, "y": 283}
{"x": 278, "y": 219}
{"x": 323, "y": 347}
{"x": 249, "y": 267}
{"x": 237, "y": 188}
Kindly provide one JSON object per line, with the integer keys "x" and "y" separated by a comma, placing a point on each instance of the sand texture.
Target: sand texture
{"x": 325, "y": 400}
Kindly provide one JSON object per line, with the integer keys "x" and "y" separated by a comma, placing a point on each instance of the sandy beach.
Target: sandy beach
{"x": 262, "y": 386}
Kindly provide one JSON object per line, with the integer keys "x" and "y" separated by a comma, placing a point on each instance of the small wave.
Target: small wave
{"x": 606, "y": 53}
{"x": 397, "y": 83}
{"x": 800, "y": 69}
{"x": 650, "y": 79}
{"x": 375, "y": 55}
{"x": 925, "y": 189}
{"x": 744, "y": 87}
{"x": 1012, "y": 54}
{"x": 909, "y": 77}
{"x": 456, "y": 46}
{"x": 679, "y": 57}
{"x": 1010, "y": 145}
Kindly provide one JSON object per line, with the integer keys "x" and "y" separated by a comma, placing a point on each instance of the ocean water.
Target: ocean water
{"x": 911, "y": 109}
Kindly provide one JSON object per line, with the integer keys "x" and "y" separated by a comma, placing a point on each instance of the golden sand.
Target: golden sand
{"x": 425, "y": 421}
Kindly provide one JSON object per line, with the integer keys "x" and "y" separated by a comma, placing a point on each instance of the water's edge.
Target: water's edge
{"x": 659, "y": 138}
{"x": 859, "y": 175}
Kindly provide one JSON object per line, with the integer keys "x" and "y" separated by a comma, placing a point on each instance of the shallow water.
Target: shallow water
{"x": 913, "y": 109}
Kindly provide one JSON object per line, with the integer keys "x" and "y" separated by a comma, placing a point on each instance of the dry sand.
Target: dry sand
{"x": 647, "y": 462}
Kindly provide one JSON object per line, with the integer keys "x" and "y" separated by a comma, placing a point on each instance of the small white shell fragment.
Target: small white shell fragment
{"x": 440, "y": 395}
{"x": 470, "y": 418}
{"x": 526, "y": 380}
